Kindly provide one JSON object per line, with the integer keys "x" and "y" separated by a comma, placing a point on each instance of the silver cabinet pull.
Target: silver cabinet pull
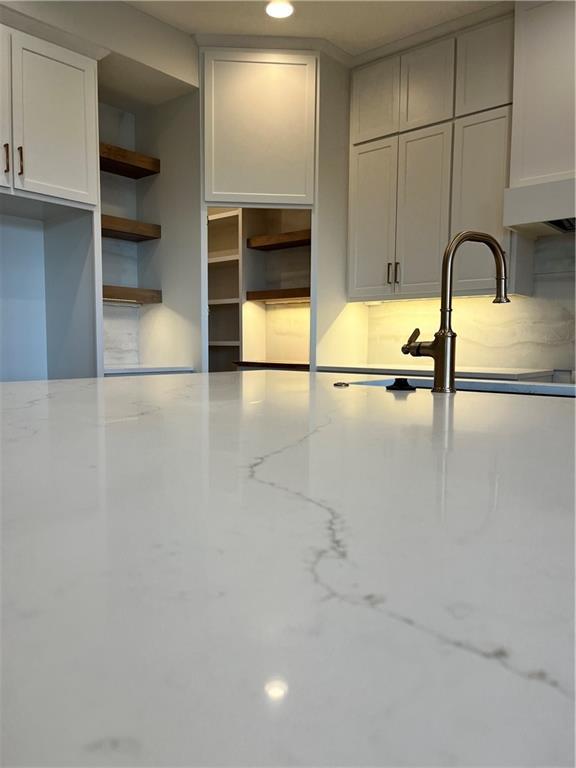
{"x": 397, "y": 272}
{"x": 21, "y": 159}
{"x": 389, "y": 273}
{"x": 6, "y": 158}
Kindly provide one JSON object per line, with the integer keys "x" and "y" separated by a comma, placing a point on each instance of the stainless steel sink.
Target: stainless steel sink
{"x": 545, "y": 388}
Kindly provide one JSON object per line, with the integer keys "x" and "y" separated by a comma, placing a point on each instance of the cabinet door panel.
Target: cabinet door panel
{"x": 373, "y": 180}
{"x": 480, "y": 176}
{"x": 427, "y": 85}
{"x": 375, "y": 100}
{"x": 484, "y": 67}
{"x": 5, "y": 109}
{"x": 259, "y": 127}
{"x": 543, "y": 119}
{"x": 423, "y": 208}
{"x": 54, "y": 120}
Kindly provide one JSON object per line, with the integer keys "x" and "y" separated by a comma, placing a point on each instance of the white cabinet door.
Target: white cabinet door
{"x": 372, "y": 221}
{"x": 543, "y": 116}
{"x": 423, "y": 209}
{"x": 5, "y": 109}
{"x": 480, "y": 176}
{"x": 375, "y": 103}
{"x": 484, "y": 66}
{"x": 427, "y": 85}
{"x": 259, "y": 128}
{"x": 55, "y": 148}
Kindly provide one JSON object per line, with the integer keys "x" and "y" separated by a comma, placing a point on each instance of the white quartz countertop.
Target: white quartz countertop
{"x": 259, "y": 569}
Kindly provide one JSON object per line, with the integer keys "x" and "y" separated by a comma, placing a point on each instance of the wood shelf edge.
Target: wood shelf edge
{"x": 129, "y": 229}
{"x": 280, "y": 294}
{"x": 280, "y": 240}
{"x": 125, "y": 162}
{"x": 129, "y": 295}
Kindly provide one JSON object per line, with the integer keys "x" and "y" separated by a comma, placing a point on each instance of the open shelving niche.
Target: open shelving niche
{"x": 276, "y": 287}
{"x": 150, "y": 237}
{"x": 224, "y": 281}
{"x": 47, "y": 290}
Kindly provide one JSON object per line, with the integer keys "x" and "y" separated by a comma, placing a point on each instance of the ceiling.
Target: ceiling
{"x": 354, "y": 26}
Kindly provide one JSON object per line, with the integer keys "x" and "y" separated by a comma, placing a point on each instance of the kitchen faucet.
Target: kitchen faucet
{"x": 443, "y": 348}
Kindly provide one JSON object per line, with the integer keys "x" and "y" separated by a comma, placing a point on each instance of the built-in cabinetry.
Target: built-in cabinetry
{"x": 259, "y": 127}
{"x": 50, "y": 148}
{"x": 543, "y": 124}
{"x": 443, "y": 166}
{"x": 479, "y": 177}
{"x": 224, "y": 280}
{"x": 541, "y": 197}
{"x": 5, "y": 109}
{"x": 276, "y": 276}
{"x": 49, "y": 222}
{"x": 427, "y": 85}
{"x": 150, "y": 229}
{"x": 258, "y": 287}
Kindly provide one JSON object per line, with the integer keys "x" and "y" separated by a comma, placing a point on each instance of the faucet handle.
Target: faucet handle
{"x": 413, "y": 336}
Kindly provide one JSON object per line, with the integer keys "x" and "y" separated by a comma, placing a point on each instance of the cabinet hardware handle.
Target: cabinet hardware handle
{"x": 21, "y": 158}
{"x": 6, "y": 158}
{"x": 396, "y": 272}
{"x": 389, "y": 273}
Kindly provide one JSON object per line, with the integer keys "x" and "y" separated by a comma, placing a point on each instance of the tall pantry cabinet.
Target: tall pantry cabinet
{"x": 441, "y": 115}
{"x": 259, "y": 185}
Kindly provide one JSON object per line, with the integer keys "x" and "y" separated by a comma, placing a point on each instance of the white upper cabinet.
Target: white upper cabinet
{"x": 372, "y": 230}
{"x": 484, "y": 66}
{"x": 480, "y": 175}
{"x": 375, "y": 103}
{"x": 55, "y": 148}
{"x": 543, "y": 116}
{"x": 424, "y": 162}
{"x": 5, "y": 110}
{"x": 259, "y": 131}
{"x": 427, "y": 85}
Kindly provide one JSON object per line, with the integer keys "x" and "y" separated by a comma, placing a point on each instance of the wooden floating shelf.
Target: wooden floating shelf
{"x": 273, "y": 366}
{"x": 123, "y": 293}
{"x": 225, "y": 259}
{"x": 124, "y": 162}
{"x": 216, "y": 302}
{"x": 223, "y": 343}
{"x": 224, "y": 215}
{"x": 280, "y": 240}
{"x": 280, "y": 294}
{"x": 128, "y": 229}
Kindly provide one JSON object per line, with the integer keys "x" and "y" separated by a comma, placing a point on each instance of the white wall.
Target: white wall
{"x": 119, "y": 258}
{"x": 530, "y": 332}
{"x": 170, "y": 333}
{"x": 111, "y": 26}
{"x": 22, "y": 300}
{"x": 341, "y": 329}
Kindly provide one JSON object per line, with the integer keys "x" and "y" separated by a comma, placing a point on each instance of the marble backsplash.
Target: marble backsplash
{"x": 530, "y": 332}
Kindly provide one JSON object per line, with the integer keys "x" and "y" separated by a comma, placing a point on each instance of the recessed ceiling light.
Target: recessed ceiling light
{"x": 276, "y": 689}
{"x": 279, "y": 9}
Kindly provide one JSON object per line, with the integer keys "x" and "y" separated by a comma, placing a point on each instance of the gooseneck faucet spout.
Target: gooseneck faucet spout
{"x": 443, "y": 348}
